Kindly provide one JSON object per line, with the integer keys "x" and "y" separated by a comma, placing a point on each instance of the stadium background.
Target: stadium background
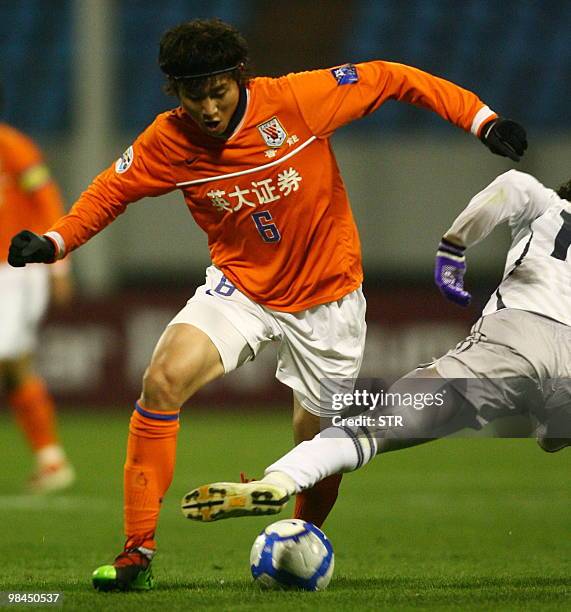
{"x": 82, "y": 78}
{"x": 457, "y": 525}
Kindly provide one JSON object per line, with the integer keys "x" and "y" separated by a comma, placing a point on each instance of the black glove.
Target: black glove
{"x": 27, "y": 247}
{"x": 505, "y": 137}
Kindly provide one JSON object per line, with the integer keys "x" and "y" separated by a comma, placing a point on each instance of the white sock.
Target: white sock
{"x": 332, "y": 451}
{"x": 279, "y": 479}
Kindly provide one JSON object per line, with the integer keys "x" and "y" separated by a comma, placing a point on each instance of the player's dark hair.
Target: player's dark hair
{"x": 191, "y": 53}
{"x": 564, "y": 191}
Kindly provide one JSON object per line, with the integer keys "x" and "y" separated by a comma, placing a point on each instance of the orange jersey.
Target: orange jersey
{"x": 29, "y": 199}
{"x": 270, "y": 197}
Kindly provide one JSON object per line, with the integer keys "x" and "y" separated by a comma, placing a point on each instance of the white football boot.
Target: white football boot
{"x": 221, "y": 500}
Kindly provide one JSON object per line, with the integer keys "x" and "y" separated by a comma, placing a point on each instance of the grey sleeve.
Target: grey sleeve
{"x": 514, "y": 196}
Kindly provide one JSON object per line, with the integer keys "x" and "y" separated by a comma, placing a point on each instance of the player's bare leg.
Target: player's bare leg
{"x": 34, "y": 412}
{"x": 184, "y": 360}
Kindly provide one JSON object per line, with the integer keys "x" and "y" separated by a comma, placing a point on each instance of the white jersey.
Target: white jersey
{"x": 537, "y": 274}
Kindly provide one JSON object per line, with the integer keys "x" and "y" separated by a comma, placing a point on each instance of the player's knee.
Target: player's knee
{"x": 163, "y": 387}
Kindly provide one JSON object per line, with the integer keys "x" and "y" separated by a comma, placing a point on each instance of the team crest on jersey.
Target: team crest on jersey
{"x": 345, "y": 75}
{"x": 124, "y": 162}
{"x": 272, "y": 132}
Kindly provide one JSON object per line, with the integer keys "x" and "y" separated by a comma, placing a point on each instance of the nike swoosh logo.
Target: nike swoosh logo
{"x": 185, "y": 162}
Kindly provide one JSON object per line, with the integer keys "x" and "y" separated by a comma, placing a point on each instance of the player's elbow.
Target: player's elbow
{"x": 515, "y": 178}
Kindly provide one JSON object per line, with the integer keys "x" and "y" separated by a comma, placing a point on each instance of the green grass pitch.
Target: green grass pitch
{"x": 452, "y": 525}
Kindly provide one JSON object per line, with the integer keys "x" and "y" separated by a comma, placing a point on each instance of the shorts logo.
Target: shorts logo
{"x": 345, "y": 75}
{"x": 124, "y": 162}
{"x": 272, "y": 132}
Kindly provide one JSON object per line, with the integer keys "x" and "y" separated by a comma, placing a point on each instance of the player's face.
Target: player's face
{"x": 213, "y": 107}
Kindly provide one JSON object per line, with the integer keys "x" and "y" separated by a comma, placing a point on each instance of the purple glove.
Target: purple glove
{"x": 449, "y": 270}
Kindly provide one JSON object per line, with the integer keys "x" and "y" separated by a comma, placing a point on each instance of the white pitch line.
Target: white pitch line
{"x": 41, "y": 503}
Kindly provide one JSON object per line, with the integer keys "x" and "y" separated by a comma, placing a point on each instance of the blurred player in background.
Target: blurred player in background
{"x": 519, "y": 350}
{"x": 29, "y": 198}
{"x": 253, "y": 159}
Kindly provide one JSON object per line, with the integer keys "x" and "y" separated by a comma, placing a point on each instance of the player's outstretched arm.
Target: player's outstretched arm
{"x": 331, "y": 98}
{"x": 27, "y": 247}
{"x": 514, "y": 196}
{"x": 505, "y": 137}
{"x": 459, "y": 106}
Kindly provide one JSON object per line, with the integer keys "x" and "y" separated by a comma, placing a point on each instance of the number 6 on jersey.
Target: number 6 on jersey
{"x": 268, "y": 231}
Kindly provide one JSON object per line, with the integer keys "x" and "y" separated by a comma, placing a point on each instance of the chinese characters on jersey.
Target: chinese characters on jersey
{"x": 259, "y": 192}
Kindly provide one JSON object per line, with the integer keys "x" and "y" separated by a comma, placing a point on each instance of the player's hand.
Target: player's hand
{"x": 27, "y": 247}
{"x": 505, "y": 137}
{"x": 449, "y": 270}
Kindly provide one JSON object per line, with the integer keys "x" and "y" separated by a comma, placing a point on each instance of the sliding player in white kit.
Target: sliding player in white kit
{"x": 517, "y": 359}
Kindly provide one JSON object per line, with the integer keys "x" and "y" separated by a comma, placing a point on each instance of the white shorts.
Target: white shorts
{"x": 523, "y": 372}
{"x": 23, "y": 301}
{"x": 323, "y": 342}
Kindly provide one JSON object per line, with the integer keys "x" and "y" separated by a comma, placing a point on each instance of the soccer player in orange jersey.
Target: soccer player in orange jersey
{"x": 253, "y": 159}
{"x": 29, "y": 198}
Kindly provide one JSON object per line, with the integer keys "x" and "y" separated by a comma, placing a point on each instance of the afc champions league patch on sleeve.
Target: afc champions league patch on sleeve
{"x": 124, "y": 162}
{"x": 346, "y": 74}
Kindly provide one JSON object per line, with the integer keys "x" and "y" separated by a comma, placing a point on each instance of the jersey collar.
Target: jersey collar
{"x": 239, "y": 114}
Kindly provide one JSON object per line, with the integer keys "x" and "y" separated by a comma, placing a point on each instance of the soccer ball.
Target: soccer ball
{"x": 292, "y": 554}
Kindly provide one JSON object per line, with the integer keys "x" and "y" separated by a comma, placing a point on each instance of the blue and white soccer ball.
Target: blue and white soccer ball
{"x": 292, "y": 554}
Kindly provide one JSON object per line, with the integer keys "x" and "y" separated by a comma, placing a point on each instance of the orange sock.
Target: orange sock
{"x": 34, "y": 412}
{"x": 149, "y": 467}
{"x": 315, "y": 504}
